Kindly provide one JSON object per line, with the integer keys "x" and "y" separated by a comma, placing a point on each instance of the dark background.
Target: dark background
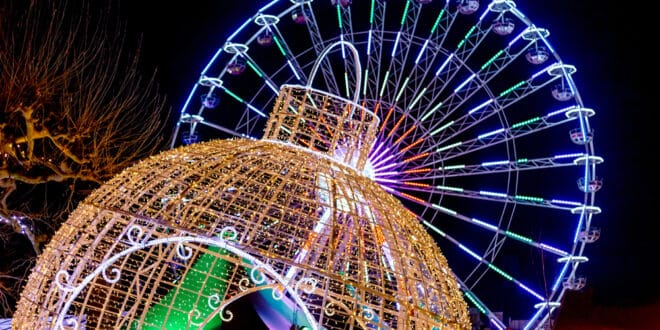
{"x": 603, "y": 40}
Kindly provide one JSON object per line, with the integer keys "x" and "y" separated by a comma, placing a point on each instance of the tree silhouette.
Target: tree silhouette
{"x": 75, "y": 110}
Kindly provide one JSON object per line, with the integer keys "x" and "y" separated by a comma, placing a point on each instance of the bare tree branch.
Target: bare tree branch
{"x": 74, "y": 111}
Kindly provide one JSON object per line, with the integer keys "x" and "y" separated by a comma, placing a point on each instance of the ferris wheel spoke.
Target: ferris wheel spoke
{"x": 445, "y": 71}
{"x": 263, "y": 75}
{"x": 523, "y": 289}
{"x": 483, "y": 308}
{"x": 414, "y": 92}
{"x": 485, "y": 195}
{"x": 442, "y": 25}
{"x": 492, "y": 266}
{"x": 319, "y": 45}
{"x": 249, "y": 106}
{"x": 484, "y": 108}
{"x": 446, "y": 153}
{"x": 485, "y": 140}
{"x": 490, "y": 167}
{"x": 504, "y": 57}
{"x": 344, "y": 21}
{"x": 291, "y": 61}
{"x": 395, "y": 81}
{"x": 375, "y": 44}
{"x": 481, "y": 258}
{"x": 471, "y": 40}
{"x": 345, "y": 28}
{"x": 516, "y": 237}
{"x": 438, "y": 111}
{"x": 448, "y": 150}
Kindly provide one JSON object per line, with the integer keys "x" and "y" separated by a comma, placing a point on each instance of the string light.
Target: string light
{"x": 171, "y": 241}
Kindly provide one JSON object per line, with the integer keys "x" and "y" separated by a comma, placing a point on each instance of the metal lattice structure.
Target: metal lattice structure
{"x": 173, "y": 241}
{"x": 482, "y": 136}
{"x": 483, "y": 132}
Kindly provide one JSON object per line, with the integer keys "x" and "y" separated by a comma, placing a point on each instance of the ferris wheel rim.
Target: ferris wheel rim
{"x": 584, "y": 210}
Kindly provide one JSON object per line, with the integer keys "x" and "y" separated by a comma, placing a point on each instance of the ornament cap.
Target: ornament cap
{"x": 324, "y": 123}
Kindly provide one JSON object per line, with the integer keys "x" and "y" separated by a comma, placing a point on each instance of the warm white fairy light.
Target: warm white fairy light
{"x": 292, "y": 213}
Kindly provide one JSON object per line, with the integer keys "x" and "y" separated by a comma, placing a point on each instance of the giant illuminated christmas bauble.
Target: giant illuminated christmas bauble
{"x": 173, "y": 241}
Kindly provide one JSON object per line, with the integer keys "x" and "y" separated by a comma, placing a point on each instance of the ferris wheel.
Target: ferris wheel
{"x": 483, "y": 134}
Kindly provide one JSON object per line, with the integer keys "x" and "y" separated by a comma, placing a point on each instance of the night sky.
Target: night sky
{"x": 604, "y": 42}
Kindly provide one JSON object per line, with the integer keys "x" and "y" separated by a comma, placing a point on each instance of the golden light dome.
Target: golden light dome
{"x": 173, "y": 241}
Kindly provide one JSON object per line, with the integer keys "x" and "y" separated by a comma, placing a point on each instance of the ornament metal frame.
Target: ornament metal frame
{"x": 262, "y": 275}
{"x": 422, "y": 290}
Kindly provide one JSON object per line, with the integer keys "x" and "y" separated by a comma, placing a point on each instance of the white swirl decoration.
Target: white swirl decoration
{"x": 134, "y": 234}
{"x": 329, "y": 309}
{"x": 63, "y": 281}
{"x": 243, "y": 284}
{"x": 257, "y": 276}
{"x": 214, "y": 301}
{"x": 184, "y": 252}
{"x": 226, "y": 315}
{"x": 195, "y": 315}
{"x": 114, "y": 277}
{"x": 307, "y": 285}
{"x": 228, "y": 233}
{"x": 368, "y": 313}
{"x": 70, "y": 323}
{"x": 278, "y": 292}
